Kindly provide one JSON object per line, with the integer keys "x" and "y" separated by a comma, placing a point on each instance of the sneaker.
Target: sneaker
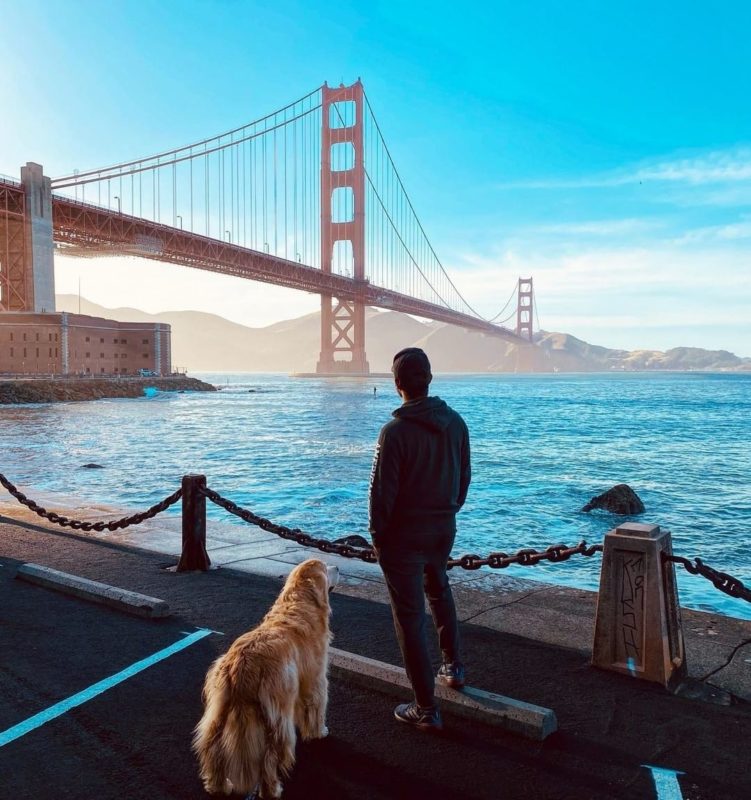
{"x": 451, "y": 674}
{"x": 426, "y": 719}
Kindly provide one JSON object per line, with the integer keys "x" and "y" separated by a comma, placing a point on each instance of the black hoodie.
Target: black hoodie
{"x": 421, "y": 471}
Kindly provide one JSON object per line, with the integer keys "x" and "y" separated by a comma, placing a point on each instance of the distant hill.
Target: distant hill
{"x": 209, "y": 343}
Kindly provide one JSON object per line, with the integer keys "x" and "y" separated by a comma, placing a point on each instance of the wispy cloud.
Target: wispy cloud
{"x": 731, "y": 232}
{"x": 604, "y": 227}
{"x": 662, "y": 296}
{"x": 717, "y": 167}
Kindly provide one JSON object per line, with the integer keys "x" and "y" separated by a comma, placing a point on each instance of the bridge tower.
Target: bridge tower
{"x": 343, "y": 320}
{"x": 27, "y": 269}
{"x": 524, "y": 308}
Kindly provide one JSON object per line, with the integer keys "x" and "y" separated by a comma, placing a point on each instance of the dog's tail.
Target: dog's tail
{"x": 207, "y": 736}
{"x": 226, "y": 738}
{"x": 240, "y": 743}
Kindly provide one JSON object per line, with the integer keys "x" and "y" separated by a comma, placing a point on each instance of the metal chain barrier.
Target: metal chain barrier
{"x": 294, "y": 534}
{"x": 721, "y": 580}
{"x": 80, "y": 525}
{"x": 525, "y": 558}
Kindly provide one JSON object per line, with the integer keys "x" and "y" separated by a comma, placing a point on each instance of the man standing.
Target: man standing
{"x": 420, "y": 477}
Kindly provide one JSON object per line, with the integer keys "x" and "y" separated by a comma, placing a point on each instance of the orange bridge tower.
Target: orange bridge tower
{"x": 343, "y": 320}
{"x": 524, "y": 308}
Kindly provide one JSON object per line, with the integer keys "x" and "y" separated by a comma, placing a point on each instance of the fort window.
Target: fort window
{"x": 101, "y": 341}
{"x": 50, "y": 352}
{"x": 143, "y": 341}
{"x": 24, "y": 352}
{"x": 87, "y": 339}
{"x": 24, "y": 337}
{"x": 11, "y": 337}
{"x": 37, "y": 352}
{"x": 11, "y": 352}
{"x": 37, "y": 337}
{"x": 114, "y": 341}
{"x": 101, "y": 355}
{"x": 88, "y": 355}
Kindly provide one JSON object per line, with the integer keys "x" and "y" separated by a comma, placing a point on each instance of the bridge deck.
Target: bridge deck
{"x": 89, "y": 228}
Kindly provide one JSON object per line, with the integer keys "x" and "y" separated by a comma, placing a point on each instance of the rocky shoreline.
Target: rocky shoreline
{"x": 57, "y": 390}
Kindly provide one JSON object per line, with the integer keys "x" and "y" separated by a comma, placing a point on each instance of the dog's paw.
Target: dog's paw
{"x": 323, "y": 733}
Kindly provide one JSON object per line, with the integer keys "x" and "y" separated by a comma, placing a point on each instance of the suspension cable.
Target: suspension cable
{"x": 414, "y": 213}
{"x": 188, "y": 147}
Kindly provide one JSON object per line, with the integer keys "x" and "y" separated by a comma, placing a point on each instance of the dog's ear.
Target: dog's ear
{"x": 319, "y": 590}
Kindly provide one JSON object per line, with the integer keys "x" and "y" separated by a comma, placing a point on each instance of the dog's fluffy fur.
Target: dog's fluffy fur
{"x": 270, "y": 681}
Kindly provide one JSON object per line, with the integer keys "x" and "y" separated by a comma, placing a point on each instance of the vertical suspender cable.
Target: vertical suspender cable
{"x": 276, "y": 207}
{"x": 284, "y": 140}
{"x": 265, "y": 230}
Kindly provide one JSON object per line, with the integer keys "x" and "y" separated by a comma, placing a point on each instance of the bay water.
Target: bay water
{"x": 299, "y": 452}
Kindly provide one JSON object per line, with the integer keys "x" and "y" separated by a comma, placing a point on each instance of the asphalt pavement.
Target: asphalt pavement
{"x": 129, "y": 736}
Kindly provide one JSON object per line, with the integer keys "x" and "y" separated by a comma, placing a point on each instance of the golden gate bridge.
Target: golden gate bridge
{"x": 307, "y": 197}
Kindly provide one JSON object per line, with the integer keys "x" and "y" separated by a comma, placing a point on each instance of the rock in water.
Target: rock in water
{"x": 621, "y": 499}
{"x": 92, "y": 466}
{"x": 353, "y": 541}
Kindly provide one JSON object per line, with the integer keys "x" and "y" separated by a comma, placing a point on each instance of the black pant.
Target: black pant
{"x": 416, "y": 569}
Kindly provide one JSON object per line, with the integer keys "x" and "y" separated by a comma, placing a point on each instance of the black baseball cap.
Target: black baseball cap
{"x": 411, "y": 363}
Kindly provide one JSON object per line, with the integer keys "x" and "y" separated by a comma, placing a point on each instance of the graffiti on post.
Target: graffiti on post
{"x": 630, "y": 612}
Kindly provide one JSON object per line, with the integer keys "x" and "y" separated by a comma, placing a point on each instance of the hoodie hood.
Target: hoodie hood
{"x": 430, "y": 412}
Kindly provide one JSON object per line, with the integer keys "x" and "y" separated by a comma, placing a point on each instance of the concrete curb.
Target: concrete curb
{"x": 515, "y": 716}
{"x": 131, "y": 602}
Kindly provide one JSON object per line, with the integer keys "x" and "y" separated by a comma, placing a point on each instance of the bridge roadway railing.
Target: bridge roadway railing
{"x": 638, "y": 616}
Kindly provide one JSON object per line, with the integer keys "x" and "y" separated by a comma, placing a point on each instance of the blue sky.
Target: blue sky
{"x": 604, "y": 148}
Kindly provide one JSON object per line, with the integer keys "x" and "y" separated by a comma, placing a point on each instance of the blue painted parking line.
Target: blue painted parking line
{"x": 666, "y": 783}
{"x": 43, "y": 717}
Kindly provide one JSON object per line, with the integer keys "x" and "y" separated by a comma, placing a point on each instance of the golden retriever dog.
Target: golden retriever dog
{"x": 272, "y": 680}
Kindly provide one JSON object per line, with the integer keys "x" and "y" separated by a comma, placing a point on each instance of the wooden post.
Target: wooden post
{"x": 194, "y": 555}
{"x": 638, "y": 626}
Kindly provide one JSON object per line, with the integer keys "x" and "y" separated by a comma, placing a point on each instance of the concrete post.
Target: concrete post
{"x": 638, "y": 625}
{"x": 39, "y": 243}
{"x": 194, "y": 555}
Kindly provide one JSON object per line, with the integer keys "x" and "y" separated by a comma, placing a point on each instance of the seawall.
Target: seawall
{"x": 56, "y": 390}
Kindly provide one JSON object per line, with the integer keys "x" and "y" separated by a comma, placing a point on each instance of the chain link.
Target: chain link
{"x": 721, "y": 580}
{"x": 527, "y": 557}
{"x": 80, "y": 525}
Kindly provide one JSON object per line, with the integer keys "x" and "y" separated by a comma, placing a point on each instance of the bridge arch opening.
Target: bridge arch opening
{"x": 342, "y": 114}
{"x": 342, "y": 156}
{"x": 343, "y": 258}
{"x": 343, "y": 204}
